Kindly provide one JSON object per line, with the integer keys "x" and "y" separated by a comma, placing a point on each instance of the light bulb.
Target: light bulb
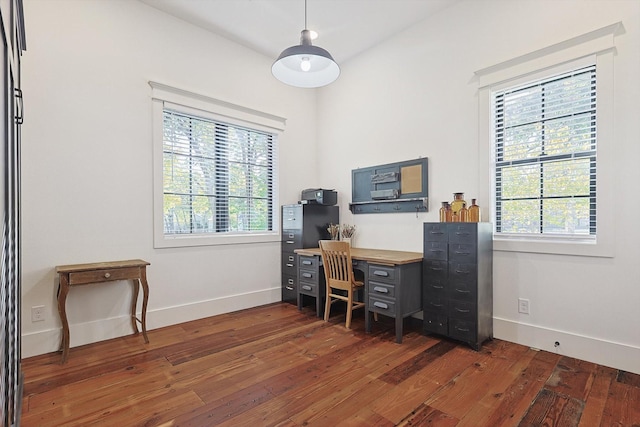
{"x": 305, "y": 64}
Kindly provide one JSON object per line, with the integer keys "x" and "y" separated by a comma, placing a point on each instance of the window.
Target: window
{"x": 546, "y": 130}
{"x": 214, "y": 175}
{"x": 544, "y": 143}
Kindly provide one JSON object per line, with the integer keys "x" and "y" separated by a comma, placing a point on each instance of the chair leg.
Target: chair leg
{"x": 349, "y": 309}
{"x": 327, "y": 308}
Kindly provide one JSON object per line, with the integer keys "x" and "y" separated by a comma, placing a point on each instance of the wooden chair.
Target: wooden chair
{"x": 338, "y": 270}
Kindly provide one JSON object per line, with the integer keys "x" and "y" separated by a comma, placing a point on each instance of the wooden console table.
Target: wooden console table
{"x": 84, "y": 274}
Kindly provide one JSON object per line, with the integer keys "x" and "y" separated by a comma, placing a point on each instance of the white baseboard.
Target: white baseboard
{"x": 48, "y": 341}
{"x": 602, "y": 352}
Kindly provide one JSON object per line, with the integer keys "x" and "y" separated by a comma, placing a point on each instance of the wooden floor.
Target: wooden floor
{"x": 276, "y": 366}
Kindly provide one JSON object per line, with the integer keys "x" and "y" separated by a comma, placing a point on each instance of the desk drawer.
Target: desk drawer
{"x": 109, "y": 274}
{"x": 382, "y": 289}
{"x": 308, "y": 276}
{"x": 381, "y": 273}
{"x": 308, "y": 288}
{"x": 386, "y": 307}
{"x": 308, "y": 262}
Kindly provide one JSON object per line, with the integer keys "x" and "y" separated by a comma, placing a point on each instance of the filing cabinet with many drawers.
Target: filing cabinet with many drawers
{"x": 458, "y": 281}
{"x": 302, "y": 226}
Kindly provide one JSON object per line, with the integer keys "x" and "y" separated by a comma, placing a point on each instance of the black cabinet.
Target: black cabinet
{"x": 458, "y": 281}
{"x": 302, "y": 226}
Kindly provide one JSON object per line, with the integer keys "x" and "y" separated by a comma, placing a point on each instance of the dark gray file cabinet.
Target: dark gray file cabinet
{"x": 458, "y": 281}
{"x": 302, "y": 226}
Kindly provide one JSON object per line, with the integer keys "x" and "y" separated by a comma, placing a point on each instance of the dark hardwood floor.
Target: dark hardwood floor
{"x": 276, "y": 366}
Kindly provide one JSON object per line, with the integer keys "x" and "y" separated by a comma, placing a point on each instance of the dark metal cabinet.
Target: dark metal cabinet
{"x": 302, "y": 226}
{"x": 458, "y": 281}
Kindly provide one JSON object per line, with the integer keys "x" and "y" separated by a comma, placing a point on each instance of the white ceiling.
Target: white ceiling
{"x": 346, "y": 27}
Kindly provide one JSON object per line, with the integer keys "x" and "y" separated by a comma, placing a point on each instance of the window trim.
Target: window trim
{"x": 596, "y": 47}
{"x": 211, "y": 108}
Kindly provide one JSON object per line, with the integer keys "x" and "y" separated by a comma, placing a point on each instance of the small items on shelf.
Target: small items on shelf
{"x": 457, "y": 210}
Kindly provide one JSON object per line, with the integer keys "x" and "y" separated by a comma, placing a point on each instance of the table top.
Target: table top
{"x": 72, "y": 268}
{"x": 379, "y": 256}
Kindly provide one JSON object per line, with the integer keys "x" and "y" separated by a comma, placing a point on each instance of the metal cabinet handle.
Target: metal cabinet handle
{"x": 435, "y": 268}
{"x": 307, "y": 275}
{"x": 462, "y": 291}
{"x": 289, "y": 288}
{"x": 462, "y": 329}
{"x": 381, "y": 289}
{"x": 380, "y": 304}
{"x": 19, "y": 117}
{"x": 461, "y": 310}
{"x": 436, "y": 250}
{"x": 306, "y": 262}
{"x": 289, "y": 265}
{"x": 290, "y": 281}
{"x": 381, "y": 273}
{"x": 291, "y": 258}
{"x": 437, "y": 287}
{"x": 289, "y": 242}
{"x": 462, "y": 252}
{"x": 435, "y": 305}
{"x": 306, "y": 287}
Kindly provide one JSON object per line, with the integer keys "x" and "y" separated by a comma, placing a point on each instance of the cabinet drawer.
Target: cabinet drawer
{"x": 381, "y": 273}
{"x": 436, "y": 270}
{"x": 382, "y": 289}
{"x": 437, "y": 305}
{"x": 435, "y": 323}
{"x": 462, "y": 272}
{"x": 289, "y": 263}
{"x": 383, "y": 306}
{"x": 463, "y": 330}
{"x": 436, "y": 232}
{"x": 292, "y": 217}
{"x": 309, "y": 276}
{"x": 97, "y": 276}
{"x": 436, "y": 287}
{"x": 290, "y": 283}
{"x": 308, "y": 262}
{"x": 462, "y": 290}
{"x": 435, "y": 250}
{"x": 291, "y": 240}
{"x": 463, "y": 233}
{"x": 462, "y": 310}
{"x": 308, "y": 288}
{"x": 462, "y": 252}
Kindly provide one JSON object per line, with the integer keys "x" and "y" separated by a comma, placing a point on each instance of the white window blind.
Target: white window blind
{"x": 544, "y": 140}
{"x": 217, "y": 177}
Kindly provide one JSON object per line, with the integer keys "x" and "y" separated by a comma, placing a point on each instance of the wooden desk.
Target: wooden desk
{"x": 84, "y": 274}
{"x": 393, "y": 282}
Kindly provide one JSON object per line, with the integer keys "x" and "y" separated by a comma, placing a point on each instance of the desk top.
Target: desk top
{"x": 101, "y": 265}
{"x": 378, "y": 256}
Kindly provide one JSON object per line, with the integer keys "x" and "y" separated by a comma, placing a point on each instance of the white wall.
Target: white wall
{"x": 416, "y": 95}
{"x": 87, "y": 164}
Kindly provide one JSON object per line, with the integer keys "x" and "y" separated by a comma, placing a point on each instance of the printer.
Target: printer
{"x": 319, "y": 196}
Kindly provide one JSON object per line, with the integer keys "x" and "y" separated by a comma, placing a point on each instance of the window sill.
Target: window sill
{"x": 182, "y": 241}
{"x": 600, "y": 248}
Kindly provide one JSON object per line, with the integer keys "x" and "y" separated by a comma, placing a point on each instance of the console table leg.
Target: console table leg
{"x": 145, "y": 300}
{"x": 63, "y": 290}
{"x": 134, "y": 304}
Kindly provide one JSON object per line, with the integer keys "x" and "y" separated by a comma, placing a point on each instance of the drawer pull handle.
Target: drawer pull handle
{"x": 307, "y": 275}
{"x": 462, "y": 252}
{"x": 462, "y": 272}
{"x": 436, "y": 305}
{"x": 289, "y": 288}
{"x": 381, "y": 289}
{"x": 107, "y": 275}
{"x": 436, "y": 268}
{"x": 380, "y": 304}
{"x": 463, "y": 329}
{"x": 381, "y": 273}
{"x": 436, "y": 232}
{"x": 290, "y": 281}
{"x": 436, "y": 250}
{"x": 289, "y": 242}
{"x": 306, "y": 287}
{"x": 289, "y": 265}
{"x": 462, "y": 310}
{"x": 437, "y": 286}
{"x": 462, "y": 233}
{"x": 462, "y": 291}
{"x": 306, "y": 262}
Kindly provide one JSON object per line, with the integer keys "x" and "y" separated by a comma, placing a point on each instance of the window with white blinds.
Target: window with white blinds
{"x": 217, "y": 177}
{"x": 544, "y": 143}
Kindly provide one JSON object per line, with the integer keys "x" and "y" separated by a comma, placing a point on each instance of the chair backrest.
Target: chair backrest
{"x": 336, "y": 258}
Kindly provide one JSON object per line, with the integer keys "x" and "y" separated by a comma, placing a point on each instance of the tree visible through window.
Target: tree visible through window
{"x": 217, "y": 177}
{"x": 545, "y": 156}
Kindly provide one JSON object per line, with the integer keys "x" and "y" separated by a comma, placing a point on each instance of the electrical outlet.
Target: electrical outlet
{"x": 37, "y": 313}
{"x": 523, "y": 306}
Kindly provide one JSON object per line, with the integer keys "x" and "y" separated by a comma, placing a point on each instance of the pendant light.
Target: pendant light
{"x": 305, "y": 65}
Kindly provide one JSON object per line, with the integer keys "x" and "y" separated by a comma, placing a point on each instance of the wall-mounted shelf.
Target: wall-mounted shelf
{"x": 390, "y": 188}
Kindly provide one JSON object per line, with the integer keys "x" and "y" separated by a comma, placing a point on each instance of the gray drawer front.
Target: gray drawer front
{"x": 292, "y": 217}
{"x": 435, "y": 305}
{"x": 463, "y": 233}
{"x": 384, "y": 306}
{"x": 436, "y": 232}
{"x": 291, "y": 240}
{"x": 463, "y": 330}
{"x": 381, "y": 273}
{"x": 436, "y": 287}
{"x": 289, "y": 263}
{"x": 308, "y": 288}
{"x": 308, "y": 276}
{"x": 435, "y": 270}
{"x": 463, "y": 291}
{"x": 436, "y": 250}
{"x": 386, "y": 290}
{"x": 308, "y": 262}
{"x": 290, "y": 283}
{"x": 435, "y": 323}
{"x": 462, "y": 273}
{"x": 463, "y": 252}
{"x": 464, "y": 310}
